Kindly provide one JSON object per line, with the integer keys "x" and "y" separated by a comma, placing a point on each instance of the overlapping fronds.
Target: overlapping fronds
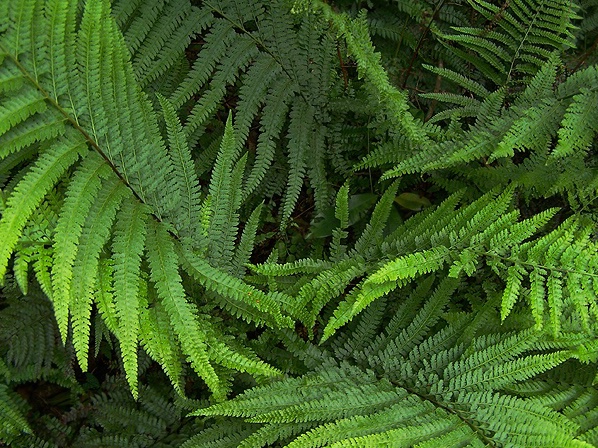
{"x": 170, "y": 235}
{"x": 539, "y": 140}
{"x": 278, "y": 68}
{"x": 560, "y": 268}
{"x": 516, "y": 38}
{"x": 111, "y": 197}
{"x": 419, "y": 382}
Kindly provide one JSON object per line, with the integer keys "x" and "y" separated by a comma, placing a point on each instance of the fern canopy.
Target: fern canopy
{"x": 241, "y": 223}
{"x": 129, "y": 199}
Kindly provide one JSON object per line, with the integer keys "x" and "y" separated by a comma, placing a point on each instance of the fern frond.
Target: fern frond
{"x": 341, "y": 212}
{"x": 410, "y": 266}
{"x": 164, "y": 272}
{"x": 299, "y": 129}
{"x": 217, "y": 437}
{"x": 484, "y": 231}
{"x": 246, "y": 244}
{"x": 13, "y": 420}
{"x": 216, "y": 44}
{"x": 72, "y": 83}
{"x": 419, "y": 388}
{"x": 525, "y": 35}
{"x": 223, "y": 222}
{"x": 51, "y": 164}
{"x": 578, "y": 128}
{"x": 252, "y": 93}
{"x": 158, "y": 37}
{"x": 231, "y": 287}
{"x": 238, "y": 56}
{"x": 29, "y": 336}
{"x": 377, "y": 285}
{"x": 160, "y": 342}
{"x": 271, "y": 123}
{"x": 373, "y": 231}
{"x": 461, "y": 80}
{"x": 87, "y": 269}
{"x": 184, "y": 172}
{"x": 84, "y": 186}
{"x": 223, "y": 350}
{"x": 104, "y": 297}
{"x": 128, "y": 245}
{"x": 359, "y": 43}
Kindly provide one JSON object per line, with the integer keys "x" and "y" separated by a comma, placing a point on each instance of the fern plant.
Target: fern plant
{"x": 281, "y": 67}
{"x": 204, "y": 237}
{"x": 67, "y": 408}
{"x": 129, "y": 206}
{"x": 559, "y": 267}
{"x": 418, "y": 382}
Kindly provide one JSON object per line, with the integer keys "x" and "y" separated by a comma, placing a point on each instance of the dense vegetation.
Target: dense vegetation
{"x": 246, "y": 223}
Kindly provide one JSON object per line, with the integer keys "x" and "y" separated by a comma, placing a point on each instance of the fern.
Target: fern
{"x": 280, "y": 70}
{"x": 459, "y": 240}
{"x": 13, "y": 422}
{"x": 121, "y": 172}
{"x": 416, "y": 387}
{"x": 525, "y": 35}
{"x": 204, "y": 199}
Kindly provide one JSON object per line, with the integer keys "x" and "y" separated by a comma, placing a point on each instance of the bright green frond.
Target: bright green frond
{"x": 161, "y": 343}
{"x": 183, "y": 316}
{"x": 82, "y": 189}
{"x": 578, "y": 128}
{"x": 127, "y": 249}
{"x": 87, "y": 268}
{"x": 29, "y": 192}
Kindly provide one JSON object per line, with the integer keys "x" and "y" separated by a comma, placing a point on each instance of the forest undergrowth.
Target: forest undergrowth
{"x": 309, "y": 223}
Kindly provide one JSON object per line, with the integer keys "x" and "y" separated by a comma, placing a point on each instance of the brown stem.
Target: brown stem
{"x": 437, "y": 88}
{"x": 343, "y": 68}
{"x": 421, "y": 42}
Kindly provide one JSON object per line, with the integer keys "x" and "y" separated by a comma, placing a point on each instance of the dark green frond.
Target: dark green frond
{"x": 447, "y": 399}
{"x": 184, "y": 172}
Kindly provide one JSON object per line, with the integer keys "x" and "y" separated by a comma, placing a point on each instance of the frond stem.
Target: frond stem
{"x": 478, "y": 431}
{"x": 73, "y": 122}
